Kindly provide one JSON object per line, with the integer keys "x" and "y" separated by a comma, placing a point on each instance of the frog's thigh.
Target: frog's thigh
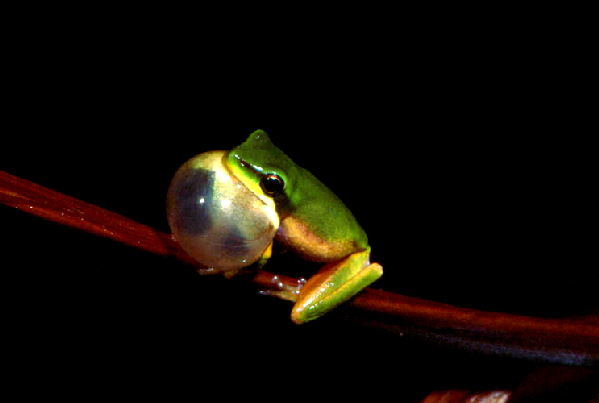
{"x": 335, "y": 283}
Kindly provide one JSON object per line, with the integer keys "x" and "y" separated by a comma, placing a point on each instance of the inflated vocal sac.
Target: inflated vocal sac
{"x": 215, "y": 218}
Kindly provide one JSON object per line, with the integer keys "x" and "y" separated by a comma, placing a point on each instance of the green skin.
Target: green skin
{"x": 314, "y": 223}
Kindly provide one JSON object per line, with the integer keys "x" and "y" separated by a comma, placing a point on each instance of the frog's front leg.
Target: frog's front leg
{"x": 335, "y": 283}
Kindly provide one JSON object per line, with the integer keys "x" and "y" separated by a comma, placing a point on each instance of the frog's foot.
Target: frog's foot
{"x": 284, "y": 291}
{"x": 334, "y": 284}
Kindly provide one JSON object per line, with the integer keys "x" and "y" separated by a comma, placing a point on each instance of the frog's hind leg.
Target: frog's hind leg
{"x": 335, "y": 283}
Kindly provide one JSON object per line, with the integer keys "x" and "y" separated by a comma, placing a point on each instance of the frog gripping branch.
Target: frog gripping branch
{"x": 227, "y": 208}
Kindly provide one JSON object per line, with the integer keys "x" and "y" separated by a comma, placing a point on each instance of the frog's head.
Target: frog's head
{"x": 263, "y": 168}
{"x": 224, "y": 207}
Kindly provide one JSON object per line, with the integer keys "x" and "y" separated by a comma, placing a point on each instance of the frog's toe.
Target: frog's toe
{"x": 284, "y": 291}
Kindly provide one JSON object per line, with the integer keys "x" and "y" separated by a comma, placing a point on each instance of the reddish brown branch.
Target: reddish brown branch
{"x": 556, "y": 340}
{"x": 54, "y": 206}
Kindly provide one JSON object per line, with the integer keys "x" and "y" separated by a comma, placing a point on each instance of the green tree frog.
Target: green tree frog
{"x": 227, "y": 208}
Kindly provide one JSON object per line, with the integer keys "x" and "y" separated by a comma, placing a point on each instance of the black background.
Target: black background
{"x": 465, "y": 159}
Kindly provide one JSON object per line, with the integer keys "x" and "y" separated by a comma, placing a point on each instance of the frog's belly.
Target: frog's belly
{"x": 297, "y": 237}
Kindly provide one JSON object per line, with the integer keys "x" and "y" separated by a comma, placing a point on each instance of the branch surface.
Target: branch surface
{"x": 571, "y": 341}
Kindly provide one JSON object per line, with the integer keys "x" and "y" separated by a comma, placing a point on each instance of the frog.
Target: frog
{"x": 296, "y": 211}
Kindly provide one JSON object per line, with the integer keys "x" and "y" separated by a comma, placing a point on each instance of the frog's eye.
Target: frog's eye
{"x": 272, "y": 185}
{"x": 215, "y": 218}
